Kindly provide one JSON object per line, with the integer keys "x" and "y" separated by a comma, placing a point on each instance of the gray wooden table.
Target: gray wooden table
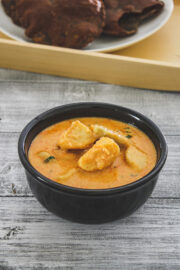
{"x": 32, "y": 238}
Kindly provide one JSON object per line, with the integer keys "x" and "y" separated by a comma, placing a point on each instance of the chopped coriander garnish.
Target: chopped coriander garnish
{"x": 48, "y": 159}
{"x": 129, "y": 136}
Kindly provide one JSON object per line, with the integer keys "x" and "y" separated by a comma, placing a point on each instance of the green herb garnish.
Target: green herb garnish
{"x": 48, "y": 159}
{"x": 129, "y": 136}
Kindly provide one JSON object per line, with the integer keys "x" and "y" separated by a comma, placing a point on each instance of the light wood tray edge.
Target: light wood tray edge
{"x": 101, "y": 67}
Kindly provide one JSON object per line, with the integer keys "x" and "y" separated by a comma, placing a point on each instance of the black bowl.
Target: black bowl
{"x": 87, "y": 205}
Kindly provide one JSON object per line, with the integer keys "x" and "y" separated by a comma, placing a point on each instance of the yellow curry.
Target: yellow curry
{"x": 93, "y": 153}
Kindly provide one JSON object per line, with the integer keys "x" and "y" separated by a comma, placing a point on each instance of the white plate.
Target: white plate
{"x": 102, "y": 44}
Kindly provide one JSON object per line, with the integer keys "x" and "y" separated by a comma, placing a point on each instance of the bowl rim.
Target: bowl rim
{"x": 81, "y": 191}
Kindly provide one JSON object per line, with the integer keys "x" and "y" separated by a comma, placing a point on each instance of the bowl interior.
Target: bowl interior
{"x": 118, "y": 113}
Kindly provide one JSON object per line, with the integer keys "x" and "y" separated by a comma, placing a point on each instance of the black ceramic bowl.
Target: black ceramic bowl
{"x": 84, "y": 205}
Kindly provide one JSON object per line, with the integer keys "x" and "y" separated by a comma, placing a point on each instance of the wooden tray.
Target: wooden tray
{"x": 153, "y": 63}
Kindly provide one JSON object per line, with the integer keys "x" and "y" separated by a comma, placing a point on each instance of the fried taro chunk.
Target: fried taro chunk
{"x": 100, "y": 131}
{"x": 136, "y": 158}
{"x": 100, "y": 156}
{"x": 124, "y": 16}
{"x": 77, "y": 136}
{"x": 66, "y": 23}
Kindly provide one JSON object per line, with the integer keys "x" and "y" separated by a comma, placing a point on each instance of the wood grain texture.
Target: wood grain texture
{"x": 9, "y": 75}
{"x": 101, "y": 67}
{"x": 32, "y": 238}
{"x": 32, "y": 98}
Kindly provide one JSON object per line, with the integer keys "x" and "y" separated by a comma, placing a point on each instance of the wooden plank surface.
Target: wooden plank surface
{"x": 32, "y": 238}
{"x": 54, "y": 94}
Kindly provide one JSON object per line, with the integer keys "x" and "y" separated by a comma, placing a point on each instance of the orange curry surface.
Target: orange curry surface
{"x": 62, "y": 165}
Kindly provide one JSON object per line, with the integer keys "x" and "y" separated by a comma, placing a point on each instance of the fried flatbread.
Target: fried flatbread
{"x": 124, "y": 16}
